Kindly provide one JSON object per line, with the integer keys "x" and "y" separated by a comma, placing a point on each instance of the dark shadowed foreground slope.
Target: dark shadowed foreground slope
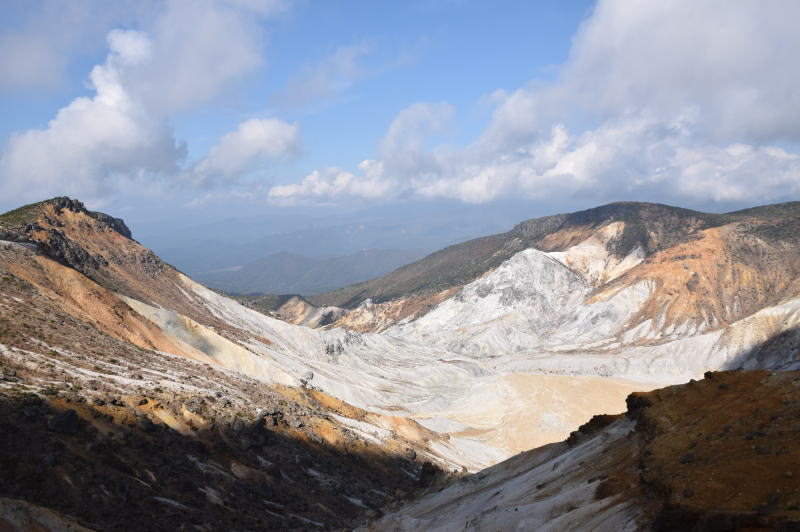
{"x": 124, "y": 438}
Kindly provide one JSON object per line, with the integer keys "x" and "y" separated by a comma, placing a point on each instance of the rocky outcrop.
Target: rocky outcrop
{"x": 117, "y": 224}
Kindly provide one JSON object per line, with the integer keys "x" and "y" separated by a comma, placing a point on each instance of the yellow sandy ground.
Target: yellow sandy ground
{"x": 519, "y": 412}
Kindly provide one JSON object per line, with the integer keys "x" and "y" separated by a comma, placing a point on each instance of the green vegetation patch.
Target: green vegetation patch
{"x": 22, "y": 215}
{"x": 776, "y": 210}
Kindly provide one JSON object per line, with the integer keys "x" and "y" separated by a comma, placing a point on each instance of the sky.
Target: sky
{"x": 195, "y": 110}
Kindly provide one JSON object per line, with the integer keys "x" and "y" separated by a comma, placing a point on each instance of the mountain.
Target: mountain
{"x": 693, "y": 270}
{"x": 114, "y": 415}
{"x": 131, "y": 389}
{"x": 647, "y": 226}
{"x": 290, "y": 273}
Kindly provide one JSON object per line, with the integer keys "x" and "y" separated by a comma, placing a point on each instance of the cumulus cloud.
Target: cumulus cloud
{"x": 333, "y": 183}
{"x": 730, "y": 62}
{"x": 202, "y": 48}
{"x": 668, "y": 100}
{"x": 239, "y": 151}
{"x": 403, "y": 147}
{"x": 94, "y": 140}
{"x": 185, "y": 55}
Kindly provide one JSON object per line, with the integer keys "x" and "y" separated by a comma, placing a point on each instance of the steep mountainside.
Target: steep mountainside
{"x": 693, "y": 273}
{"x": 412, "y": 290}
{"x": 648, "y": 226}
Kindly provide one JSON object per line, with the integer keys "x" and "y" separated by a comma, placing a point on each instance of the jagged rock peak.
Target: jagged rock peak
{"x": 25, "y": 217}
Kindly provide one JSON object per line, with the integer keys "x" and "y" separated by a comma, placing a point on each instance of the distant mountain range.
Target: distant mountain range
{"x": 290, "y": 273}
{"x": 230, "y": 242}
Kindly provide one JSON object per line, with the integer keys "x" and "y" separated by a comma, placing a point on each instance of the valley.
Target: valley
{"x": 461, "y": 371}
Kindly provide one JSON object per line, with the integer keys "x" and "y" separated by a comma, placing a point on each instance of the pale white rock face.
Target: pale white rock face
{"x": 502, "y": 366}
{"x": 530, "y": 303}
{"x": 530, "y": 283}
{"x": 591, "y": 260}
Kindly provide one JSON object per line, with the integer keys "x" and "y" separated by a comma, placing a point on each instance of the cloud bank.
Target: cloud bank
{"x": 189, "y": 53}
{"x": 669, "y": 100}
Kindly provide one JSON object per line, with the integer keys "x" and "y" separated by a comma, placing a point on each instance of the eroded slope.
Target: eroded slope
{"x": 126, "y": 438}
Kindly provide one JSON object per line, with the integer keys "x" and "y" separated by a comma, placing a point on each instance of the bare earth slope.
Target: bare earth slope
{"x": 111, "y": 420}
{"x": 718, "y": 454}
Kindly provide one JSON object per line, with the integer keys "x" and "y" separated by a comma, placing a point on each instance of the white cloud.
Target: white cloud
{"x": 401, "y": 153}
{"x": 730, "y": 61}
{"x": 185, "y": 55}
{"x": 237, "y": 152}
{"x": 333, "y": 183}
{"x": 737, "y": 172}
{"x": 94, "y": 140}
{"x": 262, "y": 7}
{"x": 403, "y": 147}
{"x": 202, "y": 48}
{"x": 667, "y": 100}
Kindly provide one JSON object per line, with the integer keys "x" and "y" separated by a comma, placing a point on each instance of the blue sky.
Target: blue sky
{"x": 160, "y": 109}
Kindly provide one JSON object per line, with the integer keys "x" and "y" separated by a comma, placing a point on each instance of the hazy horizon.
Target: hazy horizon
{"x": 286, "y": 115}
